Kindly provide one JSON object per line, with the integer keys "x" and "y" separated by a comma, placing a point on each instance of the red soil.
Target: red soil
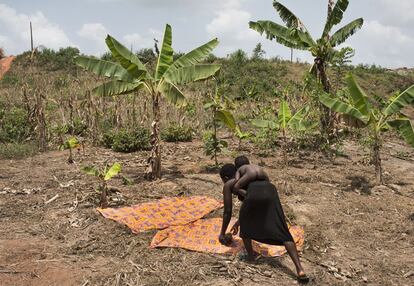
{"x": 5, "y": 64}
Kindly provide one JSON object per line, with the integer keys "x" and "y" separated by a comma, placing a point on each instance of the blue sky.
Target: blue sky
{"x": 387, "y": 37}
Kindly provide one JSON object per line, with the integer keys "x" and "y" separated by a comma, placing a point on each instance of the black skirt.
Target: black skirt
{"x": 261, "y": 215}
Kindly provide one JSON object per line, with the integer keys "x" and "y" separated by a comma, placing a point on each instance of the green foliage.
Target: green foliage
{"x": 255, "y": 81}
{"x": 212, "y": 145}
{"x": 10, "y": 79}
{"x": 265, "y": 138}
{"x": 103, "y": 174}
{"x": 147, "y": 55}
{"x": 77, "y": 127}
{"x": 127, "y": 141}
{"x": 258, "y": 52}
{"x": 107, "y": 56}
{"x": 376, "y": 116}
{"x": 343, "y": 57}
{"x": 211, "y": 58}
{"x": 63, "y": 59}
{"x": 238, "y": 58}
{"x": 130, "y": 75}
{"x": 177, "y": 133}
{"x": 70, "y": 143}
{"x": 294, "y": 35}
{"x": 114, "y": 170}
{"x": 17, "y": 150}
{"x": 286, "y": 121}
{"x": 13, "y": 125}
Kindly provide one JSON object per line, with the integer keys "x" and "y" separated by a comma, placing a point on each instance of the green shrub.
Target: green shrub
{"x": 63, "y": 59}
{"x": 77, "y": 127}
{"x": 17, "y": 150}
{"x": 177, "y": 133}
{"x": 213, "y": 145}
{"x": 127, "y": 140}
{"x": 108, "y": 139}
{"x": 13, "y": 125}
{"x": 265, "y": 138}
{"x": 10, "y": 79}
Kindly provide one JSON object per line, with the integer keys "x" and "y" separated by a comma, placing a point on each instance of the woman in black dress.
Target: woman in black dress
{"x": 261, "y": 217}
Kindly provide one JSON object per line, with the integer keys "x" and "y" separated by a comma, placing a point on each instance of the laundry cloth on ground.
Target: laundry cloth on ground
{"x": 202, "y": 236}
{"x": 162, "y": 213}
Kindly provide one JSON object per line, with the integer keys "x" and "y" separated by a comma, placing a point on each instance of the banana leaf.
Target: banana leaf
{"x": 165, "y": 58}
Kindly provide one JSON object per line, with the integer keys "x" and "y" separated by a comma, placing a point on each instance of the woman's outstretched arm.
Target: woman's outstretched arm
{"x": 228, "y": 207}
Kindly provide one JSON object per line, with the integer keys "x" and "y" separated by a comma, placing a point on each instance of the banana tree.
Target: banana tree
{"x": 129, "y": 74}
{"x": 295, "y": 35}
{"x": 286, "y": 122}
{"x": 375, "y": 114}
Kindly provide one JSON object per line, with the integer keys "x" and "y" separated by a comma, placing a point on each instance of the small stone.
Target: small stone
{"x": 267, "y": 273}
{"x": 365, "y": 279}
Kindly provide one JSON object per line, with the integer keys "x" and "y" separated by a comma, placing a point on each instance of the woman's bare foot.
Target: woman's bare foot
{"x": 252, "y": 257}
{"x": 302, "y": 277}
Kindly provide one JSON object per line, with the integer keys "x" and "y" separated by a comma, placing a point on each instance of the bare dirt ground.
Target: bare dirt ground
{"x": 5, "y": 64}
{"x": 356, "y": 234}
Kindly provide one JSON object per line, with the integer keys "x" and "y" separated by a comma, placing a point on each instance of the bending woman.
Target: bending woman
{"x": 261, "y": 217}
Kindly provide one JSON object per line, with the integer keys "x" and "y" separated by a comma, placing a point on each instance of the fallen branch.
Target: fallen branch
{"x": 51, "y": 200}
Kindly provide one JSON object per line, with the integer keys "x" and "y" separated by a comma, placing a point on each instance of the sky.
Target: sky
{"x": 386, "y": 39}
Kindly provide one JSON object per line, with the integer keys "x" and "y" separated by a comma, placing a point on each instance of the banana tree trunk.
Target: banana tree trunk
{"x": 154, "y": 161}
{"x": 215, "y": 136}
{"x": 284, "y": 148}
{"x": 70, "y": 159}
{"x": 377, "y": 160}
{"x": 327, "y": 116}
{"x": 103, "y": 200}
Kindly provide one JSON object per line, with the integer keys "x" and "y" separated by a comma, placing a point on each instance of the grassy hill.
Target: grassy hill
{"x": 50, "y": 88}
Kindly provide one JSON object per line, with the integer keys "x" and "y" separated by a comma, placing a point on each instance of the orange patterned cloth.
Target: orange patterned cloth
{"x": 202, "y": 236}
{"x": 162, "y": 213}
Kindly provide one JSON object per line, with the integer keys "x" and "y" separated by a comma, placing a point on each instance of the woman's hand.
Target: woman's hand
{"x": 225, "y": 239}
{"x": 235, "y": 228}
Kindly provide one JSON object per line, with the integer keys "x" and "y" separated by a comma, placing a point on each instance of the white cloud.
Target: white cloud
{"x": 383, "y": 44}
{"x": 398, "y": 11}
{"x": 231, "y": 26}
{"x": 137, "y": 41}
{"x": 7, "y": 44}
{"x": 95, "y": 32}
{"x": 44, "y": 32}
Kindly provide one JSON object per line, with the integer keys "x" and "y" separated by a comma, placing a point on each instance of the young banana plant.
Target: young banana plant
{"x": 286, "y": 122}
{"x": 241, "y": 135}
{"x": 218, "y": 104}
{"x": 129, "y": 74}
{"x": 376, "y": 115}
{"x": 104, "y": 175}
{"x": 70, "y": 144}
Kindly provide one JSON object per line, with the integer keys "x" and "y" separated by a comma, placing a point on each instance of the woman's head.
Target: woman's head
{"x": 227, "y": 172}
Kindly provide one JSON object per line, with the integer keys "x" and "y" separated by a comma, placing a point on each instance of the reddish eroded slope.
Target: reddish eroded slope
{"x": 5, "y": 64}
